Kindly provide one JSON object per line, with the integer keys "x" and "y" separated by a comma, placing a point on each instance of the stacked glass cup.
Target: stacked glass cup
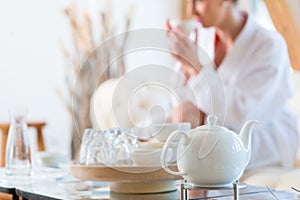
{"x": 107, "y": 147}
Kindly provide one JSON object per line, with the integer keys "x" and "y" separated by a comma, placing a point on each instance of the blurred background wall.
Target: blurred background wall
{"x": 32, "y": 62}
{"x": 31, "y": 65}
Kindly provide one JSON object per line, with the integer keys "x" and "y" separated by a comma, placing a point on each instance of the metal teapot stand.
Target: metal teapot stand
{"x": 185, "y": 186}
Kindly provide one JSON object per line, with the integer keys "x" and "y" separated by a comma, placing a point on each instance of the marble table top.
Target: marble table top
{"x": 54, "y": 184}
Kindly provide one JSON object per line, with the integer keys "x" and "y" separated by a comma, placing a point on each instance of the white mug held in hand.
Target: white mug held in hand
{"x": 211, "y": 155}
{"x": 187, "y": 26}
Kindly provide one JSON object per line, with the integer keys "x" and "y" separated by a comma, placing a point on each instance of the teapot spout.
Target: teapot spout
{"x": 245, "y": 134}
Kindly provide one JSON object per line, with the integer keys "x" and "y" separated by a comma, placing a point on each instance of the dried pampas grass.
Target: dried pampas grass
{"x": 82, "y": 78}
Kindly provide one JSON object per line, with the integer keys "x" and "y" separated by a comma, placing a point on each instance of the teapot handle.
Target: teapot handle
{"x": 163, "y": 159}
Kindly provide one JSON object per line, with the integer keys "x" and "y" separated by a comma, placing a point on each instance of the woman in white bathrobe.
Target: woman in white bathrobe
{"x": 250, "y": 80}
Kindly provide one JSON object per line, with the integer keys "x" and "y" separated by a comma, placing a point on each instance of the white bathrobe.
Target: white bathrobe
{"x": 252, "y": 82}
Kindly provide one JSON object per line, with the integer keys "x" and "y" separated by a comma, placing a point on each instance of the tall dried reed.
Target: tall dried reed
{"x": 87, "y": 64}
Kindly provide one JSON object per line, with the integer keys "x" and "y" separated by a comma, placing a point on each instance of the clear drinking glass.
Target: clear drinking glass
{"x": 125, "y": 143}
{"x": 17, "y": 155}
{"x": 100, "y": 150}
{"x": 112, "y": 146}
{"x": 86, "y": 139}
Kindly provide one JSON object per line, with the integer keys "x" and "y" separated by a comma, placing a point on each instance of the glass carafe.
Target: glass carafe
{"x": 17, "y": 156}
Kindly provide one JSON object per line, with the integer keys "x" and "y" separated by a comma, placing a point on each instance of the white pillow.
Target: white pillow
{"x": 115, "y": 107}
{"x": 138, "y": 98}
{"x": 268, "y": 176}
{"x": 288, "y": 180}
{"x": 101, "y": 106}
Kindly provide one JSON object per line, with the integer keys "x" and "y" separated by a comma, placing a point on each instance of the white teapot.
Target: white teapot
{"x": 211, "y": 155}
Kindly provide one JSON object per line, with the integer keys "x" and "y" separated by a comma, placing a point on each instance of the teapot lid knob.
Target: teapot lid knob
{"x": 212, "y": 120}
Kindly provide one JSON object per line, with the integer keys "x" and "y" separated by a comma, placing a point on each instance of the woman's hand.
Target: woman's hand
{"x": 184, "y": 50}
{"x": 187, "y": 112}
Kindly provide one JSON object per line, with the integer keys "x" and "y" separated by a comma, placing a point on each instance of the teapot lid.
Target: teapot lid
{"x": 211, "y": 124}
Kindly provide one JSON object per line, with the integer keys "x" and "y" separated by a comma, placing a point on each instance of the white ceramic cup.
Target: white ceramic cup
{"x": 187, "y": 26}
{"x": 162, "y": 131}
{"x": 149, "y": 156}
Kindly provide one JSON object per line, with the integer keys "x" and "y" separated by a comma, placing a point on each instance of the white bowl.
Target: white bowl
{"x": 50, "y": 159}
{"x": 162, "y": 131}
{"x": 149, "y": 156}
{"x": 187, "y": 26}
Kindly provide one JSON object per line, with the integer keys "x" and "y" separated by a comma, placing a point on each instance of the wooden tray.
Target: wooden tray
{"x": 123, "y": 173}
{"x": 129, "y": 179}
